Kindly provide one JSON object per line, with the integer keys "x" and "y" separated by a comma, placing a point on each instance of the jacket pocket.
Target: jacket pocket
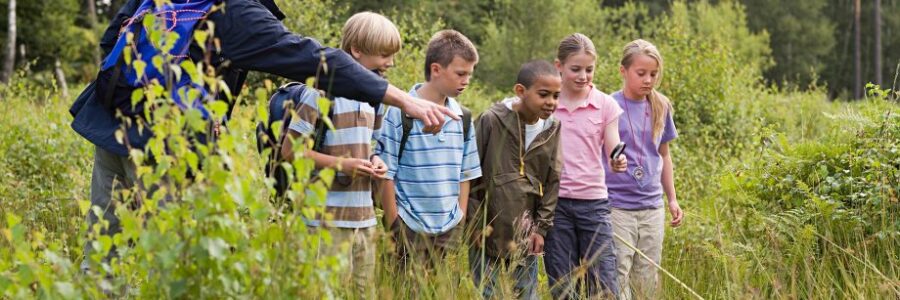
{"x": 510, "y": 203}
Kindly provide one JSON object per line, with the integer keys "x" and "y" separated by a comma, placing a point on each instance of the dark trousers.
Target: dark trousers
{"x": 111, "y": 176}
{"x": 581, "y": 237}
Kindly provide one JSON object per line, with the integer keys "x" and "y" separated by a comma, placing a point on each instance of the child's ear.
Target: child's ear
{"x": 435, "y": 69}
{"x": 558, "y": 65}
{"x": 622, "y": 70}
{"x": 355, "y": 52}
{"x": 519, "y": 89}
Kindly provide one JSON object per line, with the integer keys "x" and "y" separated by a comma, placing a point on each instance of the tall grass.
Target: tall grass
{"x": 786, "y": 194}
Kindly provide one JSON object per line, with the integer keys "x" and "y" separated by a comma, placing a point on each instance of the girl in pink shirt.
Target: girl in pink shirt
{"x": 582, "y": 232}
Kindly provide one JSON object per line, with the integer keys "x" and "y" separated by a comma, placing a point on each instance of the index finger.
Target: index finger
{"x": 365, "y": 170}
{"x": 446, "y": 111}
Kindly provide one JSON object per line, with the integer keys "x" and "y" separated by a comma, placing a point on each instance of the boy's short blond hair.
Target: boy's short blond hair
{"x": 444, "y": 46}
{"x": 371, "y": 34}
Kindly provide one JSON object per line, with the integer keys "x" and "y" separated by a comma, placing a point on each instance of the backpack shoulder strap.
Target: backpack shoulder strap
{"x": 294, "y": 98}
{"x": 407, "y": 125}
{"x": 467, "y": 122}
{"x": 321, "y": 130}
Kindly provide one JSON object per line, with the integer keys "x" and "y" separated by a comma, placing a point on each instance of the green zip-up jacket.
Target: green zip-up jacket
{"x": 518, "y": 192}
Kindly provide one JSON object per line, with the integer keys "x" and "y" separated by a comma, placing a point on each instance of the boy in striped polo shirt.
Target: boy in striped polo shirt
{"x": 427, "y": 188}
{"x": 372, "y": 40}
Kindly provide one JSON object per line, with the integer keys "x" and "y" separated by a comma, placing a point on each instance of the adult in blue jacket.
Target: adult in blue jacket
{"x": 252, "y": 38}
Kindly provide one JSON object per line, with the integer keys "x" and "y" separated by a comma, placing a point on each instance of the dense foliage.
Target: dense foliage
{"x": 787, "y": 194}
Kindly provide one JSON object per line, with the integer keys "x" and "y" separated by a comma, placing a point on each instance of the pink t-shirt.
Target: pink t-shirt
{"x": 582, "y": 146}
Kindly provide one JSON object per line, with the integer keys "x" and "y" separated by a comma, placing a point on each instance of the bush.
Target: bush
{"x": 786, "y": 194}
{"x": 804, "y": 216}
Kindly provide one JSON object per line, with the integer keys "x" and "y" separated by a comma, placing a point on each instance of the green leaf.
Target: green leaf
{"x": 195, "y": 120}
{"x": 136, "y": 96}
{"x": 155, "y": 38}
{"x": 192, "y": 160}
{"x": 149, "y": 20}
{"x": 177, "y": 71}
{"x": 200, "y": 36}
{"x": 276, "y": 128}
{"x": 216, "y": 248}
{"x": 324, "y": 107}
{"x": 105, "y": 243}
{"x": 66, "y": 289}
{"x": 191, "y": 69}
{"x": 127, "y": 50}
{"x": 171, "y": 39}
{"x": 84, "y": 206}
{"x": 262, "y": 109}
{"x": 12, "y": 220}
{"x": 327, "y": 175}
{"x": 158, "y": 63}
{"x": 139, "y": 68}
{"x": 219, "y": 108}
{"x": 226, "y": 90}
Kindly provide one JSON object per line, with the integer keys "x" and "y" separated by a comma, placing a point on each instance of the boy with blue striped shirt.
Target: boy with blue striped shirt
{"x": 426, "y": 192}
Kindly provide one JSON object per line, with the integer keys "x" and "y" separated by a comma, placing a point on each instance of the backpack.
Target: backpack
{"x": 286, "y": 97}
{"x": 117, "y": 79}
{"x": 407, "y": 124}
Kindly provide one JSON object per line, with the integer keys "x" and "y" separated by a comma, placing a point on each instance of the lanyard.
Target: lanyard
{"x": 639, "y": 146}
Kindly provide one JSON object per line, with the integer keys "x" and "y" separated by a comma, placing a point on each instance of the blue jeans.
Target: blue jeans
{"x": 581, "y": 235}
{"x": 523, "y": 270}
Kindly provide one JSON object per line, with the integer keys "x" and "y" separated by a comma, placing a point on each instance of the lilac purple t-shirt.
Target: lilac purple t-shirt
{"x": 626, "y": 191}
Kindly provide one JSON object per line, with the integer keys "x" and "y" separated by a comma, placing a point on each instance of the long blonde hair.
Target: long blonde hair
{"x": 659, "y": 103}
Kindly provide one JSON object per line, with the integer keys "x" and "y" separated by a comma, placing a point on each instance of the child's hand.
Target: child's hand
{"x": 677, "y": 214}
{"x": 379, "y": 169}
{"x": 357, "y": 167}
{"x": 537, "y": 244}
{"x": 620, "y": 164}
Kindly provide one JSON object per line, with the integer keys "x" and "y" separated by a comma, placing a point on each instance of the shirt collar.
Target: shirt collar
{"x": 592, "y": 100}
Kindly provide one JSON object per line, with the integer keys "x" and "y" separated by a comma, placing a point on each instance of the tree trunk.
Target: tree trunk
{"x": 92, "y": 23}
{"x": 10, "y": 61}
{"x": 61, "y": 80}
{"x": 857, "y": 53}
{"x": 878, "y": 69}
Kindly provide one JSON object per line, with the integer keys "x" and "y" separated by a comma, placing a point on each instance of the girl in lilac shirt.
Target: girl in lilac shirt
{"x": 638, "y": 213}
